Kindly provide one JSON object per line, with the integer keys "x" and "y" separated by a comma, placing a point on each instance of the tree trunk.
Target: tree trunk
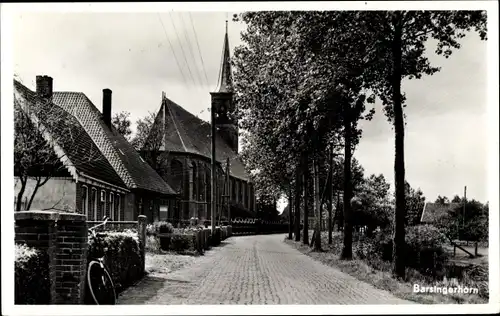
{"x": 399, "y": 163}
{"x": 330, "y": 199}
{"x": 306, "y": 200}
{"x": 298, "y": 187}
{"x": 347, "y": 249}
{"x": 290, "y": 205}
{"x": 35, "y": 190}
{"x": 20, "y": 194}
{"x": 317, "y": 211}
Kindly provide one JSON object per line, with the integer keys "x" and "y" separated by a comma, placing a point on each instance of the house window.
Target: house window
{"x": 85, "y": 201}
{"x": 94, "y": 204}
{"x": 103, "y": 203}
{"x": 118, "y": 210}
{"x": 112, "y": 206}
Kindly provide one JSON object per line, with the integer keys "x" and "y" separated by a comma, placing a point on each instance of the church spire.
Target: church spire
{"x": 225, "y": 83}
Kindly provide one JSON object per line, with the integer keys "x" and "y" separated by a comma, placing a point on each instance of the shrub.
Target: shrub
{"x": 122, "y": 255}
{"x": 424, "y": 249}
{"x": 183, "y": 242}
{"x": 163, "y": 228}
{"x": 32, "y": 280}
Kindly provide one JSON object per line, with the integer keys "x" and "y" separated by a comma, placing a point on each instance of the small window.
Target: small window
{"x": 85, "y": 201}
{"x": 118, "y": 210}
{"x": 94, "y": 204}
{"x": 112, "y": 206}
{"x": 103, "y": 204}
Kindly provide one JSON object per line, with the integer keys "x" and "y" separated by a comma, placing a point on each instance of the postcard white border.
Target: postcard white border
{"x": 7, "y": 10}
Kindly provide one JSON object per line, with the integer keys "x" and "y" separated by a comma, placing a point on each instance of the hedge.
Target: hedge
{"x": 190, "y": 239}
{"x": 123, "y": 257}
{"x": 32, "y": 280}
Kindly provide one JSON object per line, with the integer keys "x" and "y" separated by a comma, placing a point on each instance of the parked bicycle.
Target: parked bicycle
{"x": 99, "y": 282}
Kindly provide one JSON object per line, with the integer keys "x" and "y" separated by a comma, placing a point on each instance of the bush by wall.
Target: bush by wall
{"x": 32, "y": 280}
{"x": 122, "y": 256}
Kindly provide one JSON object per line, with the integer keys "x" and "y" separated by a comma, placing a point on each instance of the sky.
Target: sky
{"x": 140, "y": 55}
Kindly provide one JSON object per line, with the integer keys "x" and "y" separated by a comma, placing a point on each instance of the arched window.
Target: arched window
{"x": 238, "y": 191}
{"x": 233, "y": 190}
{"x": 208, "y": 184}
{"x": 193, "y": 177}
{"x": 200, "y": 185}
{"x": 176, "y": 174}
{"x": 85, "y": 201}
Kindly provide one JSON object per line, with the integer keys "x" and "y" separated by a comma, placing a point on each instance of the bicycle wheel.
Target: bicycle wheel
{"x": 100, "y": 284}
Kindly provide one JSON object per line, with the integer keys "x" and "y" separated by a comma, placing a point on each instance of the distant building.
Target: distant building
{"x": 116, "y": 182}
{"x": 433, "y": 211}
{"x": 185, "y": 143}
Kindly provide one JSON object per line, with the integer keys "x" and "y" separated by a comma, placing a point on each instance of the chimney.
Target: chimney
{"x": 44, "y": 86}
{"x": 106, "y": 106}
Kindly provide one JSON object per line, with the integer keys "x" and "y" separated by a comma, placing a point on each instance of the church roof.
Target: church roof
{"x": 185, "y": 132}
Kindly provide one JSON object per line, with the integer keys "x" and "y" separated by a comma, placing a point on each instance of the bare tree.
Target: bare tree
{"x": 149, "y": 141}
{"x": 47, "y": 143}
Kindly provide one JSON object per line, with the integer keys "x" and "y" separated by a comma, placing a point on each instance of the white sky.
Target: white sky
{"x": 446, "y": 137}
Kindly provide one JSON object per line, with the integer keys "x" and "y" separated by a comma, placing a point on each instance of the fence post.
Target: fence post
{"x": 141, "y": 232}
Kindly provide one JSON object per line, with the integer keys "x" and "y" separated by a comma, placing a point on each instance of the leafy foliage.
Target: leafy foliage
{"x": 122, "y": 123}
{"x": 470, "y": 224}
{"x": 31, "y": 278}
{"x": 415, "y": 202}
{"x": 123, "y": 257}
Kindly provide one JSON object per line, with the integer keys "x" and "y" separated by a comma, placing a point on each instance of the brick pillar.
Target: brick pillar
{"x": 71, "y": 258}
{"x": 38, "y": 230}
{"x": 63, "y": 237}
{"x": 141, "y": 232}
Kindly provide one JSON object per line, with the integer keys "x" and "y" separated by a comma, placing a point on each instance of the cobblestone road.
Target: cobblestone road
{"x": 255, "y": 270}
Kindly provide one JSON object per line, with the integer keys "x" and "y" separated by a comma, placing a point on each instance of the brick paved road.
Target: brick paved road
{"x": 255, "y": 270}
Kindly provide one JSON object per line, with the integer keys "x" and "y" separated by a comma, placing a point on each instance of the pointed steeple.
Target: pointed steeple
{"x": 225, "y": 83}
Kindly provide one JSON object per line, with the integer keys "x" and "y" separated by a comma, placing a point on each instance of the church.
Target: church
{"x": 180, "y": 145}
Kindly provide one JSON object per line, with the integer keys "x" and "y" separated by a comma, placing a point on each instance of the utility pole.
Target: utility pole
{"x": 213, "y": 173}
{"x": 465, "y": 201}
{"x": 228, "y": 191}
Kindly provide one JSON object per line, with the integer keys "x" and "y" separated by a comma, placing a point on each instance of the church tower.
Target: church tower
{"x": 222, "y": 100}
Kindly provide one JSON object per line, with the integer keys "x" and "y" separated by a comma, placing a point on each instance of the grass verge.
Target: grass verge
{"x": 378, "y": 273}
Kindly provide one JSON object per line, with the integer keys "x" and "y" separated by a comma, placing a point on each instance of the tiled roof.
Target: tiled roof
{"x": 129, "y": 165}
{"x": 70, "y": 135}
{"x": 433, "y": 211}
{"x": 184, "y": 132}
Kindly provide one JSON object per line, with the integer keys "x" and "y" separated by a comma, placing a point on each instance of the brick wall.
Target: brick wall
{"x": 64, "y": 237}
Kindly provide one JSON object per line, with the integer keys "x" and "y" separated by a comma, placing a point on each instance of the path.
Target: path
{"x": 255, "y": 270}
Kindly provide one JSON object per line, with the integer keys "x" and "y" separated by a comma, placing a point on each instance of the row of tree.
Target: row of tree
{"x": 303, "y": 81}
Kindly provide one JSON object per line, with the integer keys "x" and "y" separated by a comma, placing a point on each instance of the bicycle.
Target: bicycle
{"x": 99, "y": 281}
